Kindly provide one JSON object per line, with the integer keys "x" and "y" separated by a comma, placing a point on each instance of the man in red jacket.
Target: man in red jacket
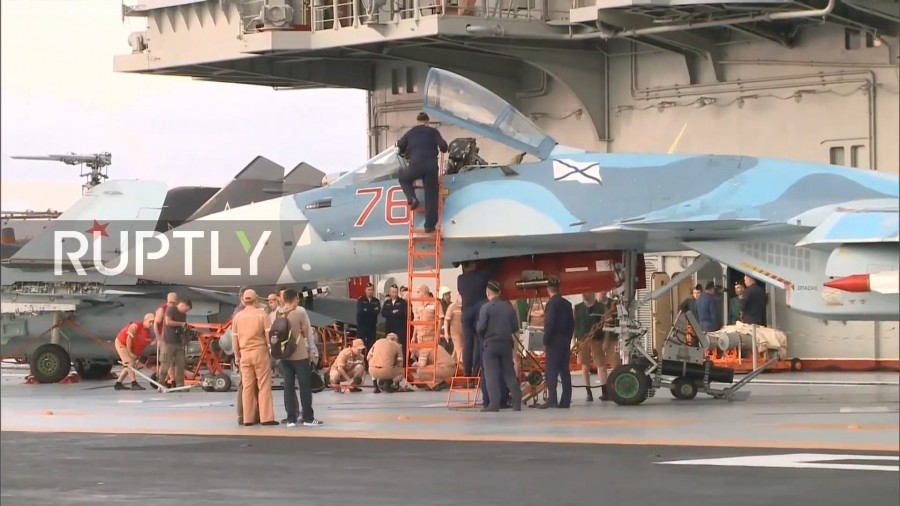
{"x": 132, "y": 340}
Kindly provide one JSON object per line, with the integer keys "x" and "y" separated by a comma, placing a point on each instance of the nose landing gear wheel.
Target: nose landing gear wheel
{"x": 628, "y": 386}
{"x": 684, "y": 389}
{"x": 221, "y": 382}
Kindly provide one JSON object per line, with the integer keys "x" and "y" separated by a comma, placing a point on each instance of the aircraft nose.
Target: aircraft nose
{"x": 245, "y": 245}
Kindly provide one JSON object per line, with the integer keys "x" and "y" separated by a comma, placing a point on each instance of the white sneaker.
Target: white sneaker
{"x": 313, "y": 423}
{"x": 291, "y": 424}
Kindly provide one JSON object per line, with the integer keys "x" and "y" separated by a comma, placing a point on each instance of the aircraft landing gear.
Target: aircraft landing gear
{"x": 50, "y": 363}
{"x": 628, "y": 385}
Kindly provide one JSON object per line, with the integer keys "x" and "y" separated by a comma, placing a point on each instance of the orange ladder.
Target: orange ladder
{"x": 424, "y": 264}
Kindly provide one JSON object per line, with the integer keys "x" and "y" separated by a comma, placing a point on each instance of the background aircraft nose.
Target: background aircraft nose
{"x": 231, "y": 248}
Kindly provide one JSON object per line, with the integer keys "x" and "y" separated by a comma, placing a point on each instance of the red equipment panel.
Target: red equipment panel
{"x": 582, "y": 272}
{"x": 356, "y": 287}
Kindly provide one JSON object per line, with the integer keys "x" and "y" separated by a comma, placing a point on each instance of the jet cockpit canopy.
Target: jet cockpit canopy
{"x": 382, "y": 167}
{"x": 454, "y": 99}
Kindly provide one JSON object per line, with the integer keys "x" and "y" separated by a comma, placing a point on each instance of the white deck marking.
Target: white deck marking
{"x": 796, "y": 461}
{"x": 873, "y": 409}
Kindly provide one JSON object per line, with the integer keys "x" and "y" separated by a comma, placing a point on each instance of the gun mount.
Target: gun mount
{"x": 96, "y": 165}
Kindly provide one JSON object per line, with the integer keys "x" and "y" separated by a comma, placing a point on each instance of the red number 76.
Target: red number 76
{"x": 396, "y": 211}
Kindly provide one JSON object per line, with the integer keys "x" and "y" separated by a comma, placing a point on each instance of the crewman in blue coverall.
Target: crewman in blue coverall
{"x": 420, "y": 146}
{"x": 559, "y": 327}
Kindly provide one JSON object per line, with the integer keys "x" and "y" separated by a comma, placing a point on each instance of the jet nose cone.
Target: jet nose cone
{"x": 241, "y": 246}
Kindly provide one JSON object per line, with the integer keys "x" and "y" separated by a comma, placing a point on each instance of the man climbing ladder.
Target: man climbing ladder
{"x": 420, "y": 145}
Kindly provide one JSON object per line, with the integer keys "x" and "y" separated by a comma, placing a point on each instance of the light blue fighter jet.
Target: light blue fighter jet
{"x": 795, "y": 225}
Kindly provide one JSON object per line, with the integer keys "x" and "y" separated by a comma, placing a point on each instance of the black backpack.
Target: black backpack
{"x": 281, "y": 341}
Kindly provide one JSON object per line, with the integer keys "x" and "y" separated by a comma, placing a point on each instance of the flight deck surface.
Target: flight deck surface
{"x": 409, "y": 449}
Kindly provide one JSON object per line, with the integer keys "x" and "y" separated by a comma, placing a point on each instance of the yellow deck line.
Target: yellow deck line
{"x": 497, "y": 438}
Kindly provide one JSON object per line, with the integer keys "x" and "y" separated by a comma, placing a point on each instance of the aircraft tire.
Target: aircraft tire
{"x": 50, "y": 363}
{"x": 207, "y": 382}
{"x": 90, "y": 371}
{"x": 317, "y": 382}
{"x": 628, "y": 386}
{"x": 684, "y": 389}
{"x": 221, "y": 382}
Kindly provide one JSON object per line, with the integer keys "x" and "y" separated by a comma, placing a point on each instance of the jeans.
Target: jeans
{"x": 300, "y": 372}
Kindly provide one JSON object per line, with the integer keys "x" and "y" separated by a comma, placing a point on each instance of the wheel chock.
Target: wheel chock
{"x": 29, "y": 380}
{"x": 72, "y": 378}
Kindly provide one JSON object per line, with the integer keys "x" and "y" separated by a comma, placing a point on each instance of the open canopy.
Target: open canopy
{"x": 454, "y": 99}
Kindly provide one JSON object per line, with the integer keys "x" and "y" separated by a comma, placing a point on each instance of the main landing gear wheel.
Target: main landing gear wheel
{"x": 221, "y": 382}
{"x": 684, "y": 389}
{"x": 50, "y": 363}
{"x": 91, "y": 371}
{"x": 628, "y": 386}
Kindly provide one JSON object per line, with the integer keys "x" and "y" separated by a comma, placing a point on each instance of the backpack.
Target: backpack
{"x": 281, "y": 341}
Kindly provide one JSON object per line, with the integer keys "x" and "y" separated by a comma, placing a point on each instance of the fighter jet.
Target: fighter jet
{"x": 795, "y": 225}
{"x": 38, "y": 292}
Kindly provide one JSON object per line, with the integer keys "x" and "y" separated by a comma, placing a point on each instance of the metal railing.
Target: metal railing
{"x": 336, "y": 14}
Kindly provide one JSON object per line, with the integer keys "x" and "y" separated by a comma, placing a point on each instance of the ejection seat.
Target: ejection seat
{"x": 462, "y": 152}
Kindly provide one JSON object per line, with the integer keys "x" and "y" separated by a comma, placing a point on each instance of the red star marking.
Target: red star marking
{"x": 97, "y": 228}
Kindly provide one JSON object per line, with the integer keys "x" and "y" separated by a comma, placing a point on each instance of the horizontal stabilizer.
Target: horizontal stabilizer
{"x": 105, "y": 211}
{"x": 856, "y": 226}
{"x": 259, "y": 181}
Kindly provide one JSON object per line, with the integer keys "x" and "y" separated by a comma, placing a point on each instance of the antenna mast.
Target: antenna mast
{"x": 93, "y": 166}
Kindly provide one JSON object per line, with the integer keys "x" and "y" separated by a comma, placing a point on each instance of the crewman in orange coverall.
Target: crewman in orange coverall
{"x": 251, "y": 351}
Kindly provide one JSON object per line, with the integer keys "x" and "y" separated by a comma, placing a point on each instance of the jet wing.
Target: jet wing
{"x": 857, "y": 224}
{"x": 692, "y": 225}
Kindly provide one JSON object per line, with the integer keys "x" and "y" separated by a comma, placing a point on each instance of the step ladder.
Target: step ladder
{"x": 424, "y": 267}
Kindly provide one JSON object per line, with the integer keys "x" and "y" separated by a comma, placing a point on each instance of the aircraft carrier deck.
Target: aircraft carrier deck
{"x": 809, "y": 443}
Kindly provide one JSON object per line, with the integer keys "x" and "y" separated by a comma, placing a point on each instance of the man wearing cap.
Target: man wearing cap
{"x": 394, "y": 312}
{"x": 497, "y": 326}
{"x": 367, "y": 309}
{"x": 130, "y": 343}
{"x": 348, "y": 366}
{"x": 420, "y": 146}
{"x": 559, "y": 327}
{"x": 251, "y": 351}
{"x": 386, "y": 363}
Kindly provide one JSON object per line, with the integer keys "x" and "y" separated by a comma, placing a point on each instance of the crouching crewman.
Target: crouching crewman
{"x": 386, "y": 363}
{"x": 131, "y": 343}
{"x": 348, "y": 366}
{"x": 439, "y": 374}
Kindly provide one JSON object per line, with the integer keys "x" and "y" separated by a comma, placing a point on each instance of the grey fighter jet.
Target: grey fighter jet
{"x": 38, "y": 292}
{"x": 796, "y": 225}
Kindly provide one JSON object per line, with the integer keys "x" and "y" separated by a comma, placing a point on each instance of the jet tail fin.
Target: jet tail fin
{"x": 260, "y": 180}
{"x": 108, "y": 209}
{"x": 301, "y": 178}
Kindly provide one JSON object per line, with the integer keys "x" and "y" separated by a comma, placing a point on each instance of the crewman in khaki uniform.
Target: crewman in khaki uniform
{"x": 446, "y": 366}
{"x": 348, "y": 366}
{"x": 453, "y": 328}
{"x": 386, "y": 363}
{"x": 251, "y": 350}
{"x": 425, "y": 312}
